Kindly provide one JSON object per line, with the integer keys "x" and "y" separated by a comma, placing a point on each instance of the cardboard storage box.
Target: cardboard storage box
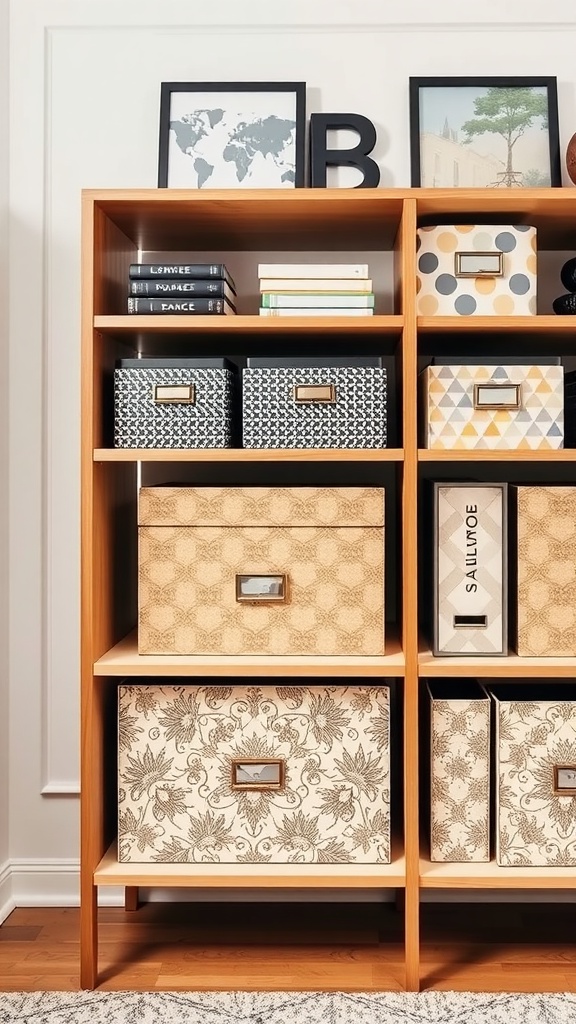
{"x": 330, "y": 402}
{"x": 469, "y": 568}
{"x": 261, "y": 570}
{"x": 459, "y": 771}
{"x": 545, "y": 521}
{"x": 535, "y": 751}
{"x": 476, "y": 270}
{"x": 254, "y": 774}
{"x": 483, "y": 406}
{"x": 174, "y": 403}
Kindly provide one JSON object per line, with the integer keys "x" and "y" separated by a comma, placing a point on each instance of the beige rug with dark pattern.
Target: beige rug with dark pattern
{"x": 285, "y": 1008}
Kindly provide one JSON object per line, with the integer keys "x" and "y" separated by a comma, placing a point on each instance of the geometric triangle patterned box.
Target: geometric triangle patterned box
{"x": 476, "y": 270}
{"x": 493, "y": 407}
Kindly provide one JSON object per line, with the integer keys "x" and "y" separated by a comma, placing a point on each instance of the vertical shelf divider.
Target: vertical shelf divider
{"x": 406, "y": 255}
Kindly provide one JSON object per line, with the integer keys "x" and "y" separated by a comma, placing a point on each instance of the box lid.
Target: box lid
{"x": 162, "y": 363}
{"x": 484, "y": 360}
{"x": 261, "y": 506}
{"x": 269, "y": 362}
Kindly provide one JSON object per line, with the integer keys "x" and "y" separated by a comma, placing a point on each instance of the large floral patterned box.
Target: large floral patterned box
{"x": 476, "y": 270}
{"x": 459, "y": 771}
{"x": 254, "y": 774}
{"x": 261, "y": 570}
{"x": 545, "y": 519}
{"x": 535, "y": 752}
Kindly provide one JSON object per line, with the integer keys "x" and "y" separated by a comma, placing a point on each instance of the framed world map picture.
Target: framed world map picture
{"x": 232, "y": 135}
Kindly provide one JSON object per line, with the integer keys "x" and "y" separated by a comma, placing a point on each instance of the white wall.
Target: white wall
{"x": 4, "y": 847}
{"x": 84, "y": 96}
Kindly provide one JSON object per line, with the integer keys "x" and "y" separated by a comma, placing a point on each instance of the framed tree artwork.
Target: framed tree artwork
{"x": 232, "y": 135}
{"x": 484, "y": 133}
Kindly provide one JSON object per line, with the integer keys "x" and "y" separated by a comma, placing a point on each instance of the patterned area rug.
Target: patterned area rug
{"x": 285, "y": 1008}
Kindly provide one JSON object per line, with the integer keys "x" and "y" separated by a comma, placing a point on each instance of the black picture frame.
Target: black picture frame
{"x": 234, "y": 169}
{"x": 430, "y": 163}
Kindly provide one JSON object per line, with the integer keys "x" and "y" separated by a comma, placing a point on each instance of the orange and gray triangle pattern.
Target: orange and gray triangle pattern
{"x": 451, "y": 421}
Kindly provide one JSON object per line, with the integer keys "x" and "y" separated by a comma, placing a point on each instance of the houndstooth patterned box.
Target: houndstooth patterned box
{"x": 173, "y": 403}
{"x": 493, "y": 407}
{"x": 247, "y": 774}
{"x": 329, "y": 406}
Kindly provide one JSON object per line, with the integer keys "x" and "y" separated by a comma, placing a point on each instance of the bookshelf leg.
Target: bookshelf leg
{"x": 412, "y": 939}
{"x": 131, "y": 898}
{"x": 89, "y": 938}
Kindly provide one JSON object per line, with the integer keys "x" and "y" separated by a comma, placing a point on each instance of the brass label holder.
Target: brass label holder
{"x": 492, "y": 395}
{"x": 262, "y": 588}
{"x": 314, "y": 393}
{"x": 479, "y": 264}
{"x": 174, "y": 394}
{"x": 564, "y": 780}
{"x": 253, "y": 773}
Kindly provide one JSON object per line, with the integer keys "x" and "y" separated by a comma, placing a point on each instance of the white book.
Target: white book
{"x": 280, "y": 284}
{"x": 316, "y": 311}
{"x": 332, "y": 270}
{"x": 309, "y": 300}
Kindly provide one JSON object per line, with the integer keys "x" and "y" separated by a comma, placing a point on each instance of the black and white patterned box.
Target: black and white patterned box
{"x": 314, "y": 403}
{"x": 173, "y": 403}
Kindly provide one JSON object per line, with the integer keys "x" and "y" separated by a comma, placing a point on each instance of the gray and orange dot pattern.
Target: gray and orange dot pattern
{"x": 441, "y": 293}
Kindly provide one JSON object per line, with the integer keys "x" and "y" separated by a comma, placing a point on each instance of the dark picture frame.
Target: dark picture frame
{"x": 232, "y": 135}
{"x": 449, "y": 149}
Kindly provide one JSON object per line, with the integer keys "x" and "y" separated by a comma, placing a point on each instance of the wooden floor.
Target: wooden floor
{"x": 297, "y": 947}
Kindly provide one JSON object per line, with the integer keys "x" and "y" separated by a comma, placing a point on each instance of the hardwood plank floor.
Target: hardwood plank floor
{"x": 465, "y": 947}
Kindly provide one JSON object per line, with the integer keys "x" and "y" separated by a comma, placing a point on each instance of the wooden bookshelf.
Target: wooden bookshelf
{"x": 118, "y": 226}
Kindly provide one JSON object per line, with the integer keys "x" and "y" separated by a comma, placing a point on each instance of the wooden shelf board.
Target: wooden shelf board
{"x": 510, "y": 667}
{"x": 551, "y": 210}
{"x": 248, "y": 455}
{"x": 179, "y": 324}
{"x": 255, "y": 219}
{"x": 491, "y": 324}
{"x": 253, "y": 876}
{"x": 492, "y": 876}
{"x": 501, "y": 455}
{"x": 124, "y": 660}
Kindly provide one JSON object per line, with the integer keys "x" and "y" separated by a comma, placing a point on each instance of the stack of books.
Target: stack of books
{"x": 315, "y": 289}
{"x": 196, "y": 288}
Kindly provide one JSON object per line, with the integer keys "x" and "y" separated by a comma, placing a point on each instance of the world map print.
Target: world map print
{"x": 226, "y": 148}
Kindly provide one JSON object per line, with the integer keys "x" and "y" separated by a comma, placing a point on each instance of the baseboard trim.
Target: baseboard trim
{"x": 7, "y": 904}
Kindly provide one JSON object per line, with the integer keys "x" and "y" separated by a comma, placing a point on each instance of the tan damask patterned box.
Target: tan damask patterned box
{"x": 261, "y": 570}
{"x": 535, "y": 774}
{"x": 459, "y": 771}
{"x": 254, "y": 774}
{"x": 546, "y": 570}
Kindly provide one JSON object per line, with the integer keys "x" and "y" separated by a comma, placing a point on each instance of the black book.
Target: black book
{"x": 180, "y": 271}
{"x": 171, "y": 306}
{"x": 216, "y": 289}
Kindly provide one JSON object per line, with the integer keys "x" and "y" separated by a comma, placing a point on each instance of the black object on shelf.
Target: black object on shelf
{"x": 565, "y": 305}
{"x": 568, "y": 275}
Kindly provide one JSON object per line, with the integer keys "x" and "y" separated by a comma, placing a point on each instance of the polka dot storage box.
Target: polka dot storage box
{"x": 476, "y": 270}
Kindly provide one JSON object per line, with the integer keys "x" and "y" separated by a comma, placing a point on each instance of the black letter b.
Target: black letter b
{"x": 321, "y": 157}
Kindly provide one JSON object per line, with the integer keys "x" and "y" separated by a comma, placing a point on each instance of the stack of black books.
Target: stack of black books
{"x": 193, "y": 288}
